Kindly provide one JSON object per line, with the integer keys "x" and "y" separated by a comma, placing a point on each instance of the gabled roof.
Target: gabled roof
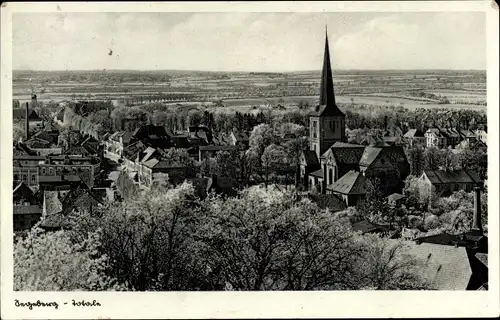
{"x": 30, "y": 209}
{"x": 310, "y": 157}
{"x": 445, "y": 267}
{"x": 80, "y": 198}
{"x": 20, "y": 149}
{"x": 395, "y": 197}
{"x": 352, "y": 182}
{"x": 444, "y": 177}
{"x": 318, "y": 173}
{"x": 366, "y": 226}
{"x": 37, "y": 143}
{"x": 240, "y": 136}
{"x": 24, "y": 192}
{"x": 331, "y": 201}
{"x": 370, "y": 154}
{"x": 483, "y": 258}
{"x": 414, "y": 133}
{"x": 346, "y": 153}
{"x": 20, "y": 113}
{"x": 125, "y": 135}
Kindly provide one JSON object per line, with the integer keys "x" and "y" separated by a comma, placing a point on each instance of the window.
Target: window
{"x": 33, "y": 178}
{"x": 16, "y": 177}
{"x": 44, "y": 170}
{"x": 25, "y": 178}
{"x": 315, "y": 129}
{"x": 51, "y": 170}
{"x": 330, "y": 175}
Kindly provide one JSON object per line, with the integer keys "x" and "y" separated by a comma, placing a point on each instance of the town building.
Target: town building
{"x": 351, "y": 187}
{"x": 455, "y": 261}
{"x": 329, "y": 157}
{"x": 415, "y": 137}
{"x": 26, "y": 207}
{"x": 210, "y": 151}
{"x": 327, "y": 123}
{"x": 54, "y": 170}
{"x": 444, "y": 183}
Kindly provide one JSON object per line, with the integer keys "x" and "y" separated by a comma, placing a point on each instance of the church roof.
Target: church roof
{"x": 327, "y": 105}
{"x": 310, "y": 157}
{"x": 346, "y": 153}
{"x": 352, "y": 182}
{"x": 369, "y": 155}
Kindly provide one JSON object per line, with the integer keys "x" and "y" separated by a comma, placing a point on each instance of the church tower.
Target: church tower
{"x": 327, "y": 123}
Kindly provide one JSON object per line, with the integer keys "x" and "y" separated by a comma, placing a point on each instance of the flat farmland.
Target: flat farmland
{"x": 239, "y": 91}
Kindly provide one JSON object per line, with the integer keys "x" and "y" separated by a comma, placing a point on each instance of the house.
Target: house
{"x": 482, "y": 135}
{"x": 152, "y": 136}
{"x": 48, "y": 135}
{"x": 444, "y": 183}
{"x": 392, "y": 140}
{"x": 53, "y": 170}
{"x": 341, "y": 158}
{"x": 154, "y": 165}
{"x": 222, "y": 185}
{"x": 331, "y": 202}
{"x": 205, "y": 152}
{"x": 238, "y": 138}
{"x": 467, "y": 135}
{"x": 387, "y": 164}
{"x": 203, "y": 133}
{"x": 351, "y": 187}
{"x": 26, "y": 208}
{"x": 414, "y": 137}
{"x": 367, "y": 227}
{"x": 57, "y": 205}
{"x": 396, "y": 199}
{"x": 116, "y": 143}
{"x": 308, "y": 163}
{"x": 456, "y": 261}
{"x": 436, "y": 138}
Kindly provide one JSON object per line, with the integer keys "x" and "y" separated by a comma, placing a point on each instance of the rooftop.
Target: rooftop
{"x": 352, "y": 182}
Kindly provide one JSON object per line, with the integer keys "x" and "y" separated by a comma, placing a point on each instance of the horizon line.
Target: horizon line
{"x": 239, "y": 71}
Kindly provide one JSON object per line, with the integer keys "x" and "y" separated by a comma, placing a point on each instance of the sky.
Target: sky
{"x": 242, "y": 41}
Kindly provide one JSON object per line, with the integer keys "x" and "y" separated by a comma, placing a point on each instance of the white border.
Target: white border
{"x": 348, "y": 304}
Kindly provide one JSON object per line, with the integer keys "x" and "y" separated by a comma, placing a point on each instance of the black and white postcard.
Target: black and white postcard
{"x": 220, "y": 160}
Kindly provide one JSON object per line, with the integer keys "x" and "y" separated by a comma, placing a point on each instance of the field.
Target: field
{"x": 233, "y": 91}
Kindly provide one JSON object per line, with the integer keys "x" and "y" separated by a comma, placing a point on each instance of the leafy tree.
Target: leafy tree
{"x": 268, "y": 241}
{"x": 148, "y": 239}
{"x": 274, "y": 158}
{"x": 416, "y": 158}
{"x": 374, "y": 206}
{"x": 194, "y": 118}
{"x": 417, "y": 193}
{"x": 262, "y": 136}
{"x": 53, "y": 262}
{"x": 126, "y": 186}
{"x": 387, "y": 265}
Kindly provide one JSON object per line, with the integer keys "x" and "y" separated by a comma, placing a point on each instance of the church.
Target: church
{"x": 333, "y": 166}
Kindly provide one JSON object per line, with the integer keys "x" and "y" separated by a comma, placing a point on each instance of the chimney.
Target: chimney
{"x": 476, "y": 224}
{"x": 27, "y": 121}
{"x": 33, "y": 101}
{"x": 323, "y": 189}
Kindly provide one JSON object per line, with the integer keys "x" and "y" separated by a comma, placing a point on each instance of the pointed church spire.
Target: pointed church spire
{"x": 327, "y": 96}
